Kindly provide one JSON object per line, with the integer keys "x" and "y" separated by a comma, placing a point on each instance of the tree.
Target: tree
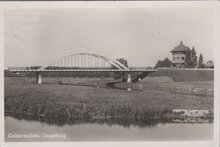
{"x": 165, "y": 63}
{"x": 200, "y": 62}
{"x": 118, "y": 75}
{"x": 34, "y": 67}
{"x": 159, "y": 64}
{"x": 193, "y": 57}
{"x": 188, "y": 59}
{"x": 123, "y": 61}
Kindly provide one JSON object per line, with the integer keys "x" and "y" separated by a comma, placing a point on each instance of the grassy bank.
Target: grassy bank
{"x": 186, "y": 75}
{"x": 197, "y": 88}
{"x": 70, "y": 101}
{"x": 125, "y": 122}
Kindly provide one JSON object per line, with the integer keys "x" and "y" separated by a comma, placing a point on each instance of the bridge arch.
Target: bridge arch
{"x": 84, "y": 60}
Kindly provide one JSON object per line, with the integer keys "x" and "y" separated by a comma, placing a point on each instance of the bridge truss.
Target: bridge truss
{"x": 84, "y": 61}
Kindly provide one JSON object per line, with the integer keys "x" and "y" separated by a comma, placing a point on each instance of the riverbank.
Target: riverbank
{"x": 198, "y": 88}
{"x": 124, "y": 121}
{"x": 72, "y": 101}
{"x": 174, "y": 116}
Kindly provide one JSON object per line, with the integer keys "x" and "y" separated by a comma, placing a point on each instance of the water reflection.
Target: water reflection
{"x": 125, "y": 122}
{"x": 104, "y": 130}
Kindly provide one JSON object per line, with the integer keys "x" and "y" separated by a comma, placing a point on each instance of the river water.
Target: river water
{"x": 34, "y": 130}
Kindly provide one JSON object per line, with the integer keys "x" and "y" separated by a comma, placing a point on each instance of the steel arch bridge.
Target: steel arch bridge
{"x": 84, "y": 61}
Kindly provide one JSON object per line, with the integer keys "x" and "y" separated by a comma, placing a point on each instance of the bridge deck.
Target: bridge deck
{"x": 87, "y": 70}
{"x": 105, "y": 70}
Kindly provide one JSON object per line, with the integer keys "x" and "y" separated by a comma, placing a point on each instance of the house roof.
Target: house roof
{"x": 180, "y": 47}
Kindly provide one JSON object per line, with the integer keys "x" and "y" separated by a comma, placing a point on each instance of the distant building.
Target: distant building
{"x": 179, "y": 55}
{"x": 209, "y": 64}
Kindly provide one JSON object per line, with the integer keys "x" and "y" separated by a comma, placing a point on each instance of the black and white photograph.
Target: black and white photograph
{"x": 110, "y": 74}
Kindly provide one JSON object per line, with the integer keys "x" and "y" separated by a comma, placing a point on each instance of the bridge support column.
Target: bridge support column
{"x": 128, "y": 78}
{"x": 39, "y": 78}
{"x": 123, "y": 76}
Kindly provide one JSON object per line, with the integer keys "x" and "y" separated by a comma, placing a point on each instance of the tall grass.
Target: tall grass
{"x": 84, "y": 110}
{"x": 68, "y": 101}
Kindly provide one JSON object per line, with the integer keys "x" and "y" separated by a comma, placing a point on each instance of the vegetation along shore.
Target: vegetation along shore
{"x": 90, "y": 102}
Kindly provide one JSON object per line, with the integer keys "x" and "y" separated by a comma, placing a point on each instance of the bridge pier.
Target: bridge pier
{"x": 39, "y": 78}
{"x": 123, "y": 77}
{"x": 128, "y": 78}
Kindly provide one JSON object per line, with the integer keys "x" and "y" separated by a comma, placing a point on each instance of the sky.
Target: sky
{"x": 142, "y": 36}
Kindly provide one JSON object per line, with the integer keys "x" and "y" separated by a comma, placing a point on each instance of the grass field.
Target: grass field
{"x": 186, "y": 75}
{"x": 191, "y": 84}
{"x": 56, "y": 100}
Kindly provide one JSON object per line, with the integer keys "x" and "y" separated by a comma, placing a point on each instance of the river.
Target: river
{"x": 34, "y": 130}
